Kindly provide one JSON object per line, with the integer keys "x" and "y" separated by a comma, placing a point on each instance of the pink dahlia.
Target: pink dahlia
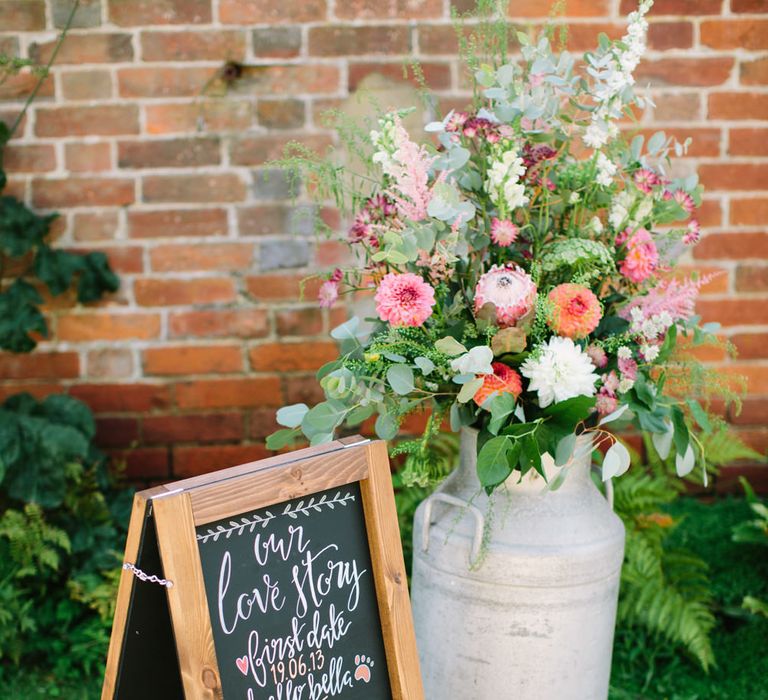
{"x": 504, "y": 380}
{"x": 641, "y": 259}
{"x": 576, "y": 311}
{"x": 646, "y": 180}
{"x": 510, "y": 290}
{"x": 503, "y": 232}
{"x": 404, "y": 300}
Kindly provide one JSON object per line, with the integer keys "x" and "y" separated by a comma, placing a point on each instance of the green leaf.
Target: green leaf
{"x": 347, "y": 330}
{"x": 67, "y": 410}
{"x": 20, "y": 317}
{"x": 425, "y": 365}
{"x": 359, "y": 414}
{"x": 616, "y": 461}
{"x": 96, "y": 278}
{"x": 492, "y": 465}
{"x": 565, "y": 449}
{"x": 400, "y": 378}
{"x": 530, "y": 456}
{"x": 681, "y": 438}
{"x": 700, "y": 415}
{"x": 386, "y": 426}
{"x": 281, "y": 438}
{"x": 327, "y": 368}
{"x": 571, "y": 411}
{"x": 292, "y": 416}
{"x": 56, "y": 268}
{"x": 685, "y": 461}
{"x": 450, "y": 346}
{"x": 21, "y": 229}
{"x": 501, "y": 407}
{"x": 323, "y": 418}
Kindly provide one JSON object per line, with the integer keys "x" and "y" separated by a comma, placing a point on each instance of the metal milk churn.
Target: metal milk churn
{"x": 516, "y": 599}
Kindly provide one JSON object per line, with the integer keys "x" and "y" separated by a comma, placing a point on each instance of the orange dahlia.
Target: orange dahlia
{"x": 576, "y": 311}
{"x": 504, "y": 380}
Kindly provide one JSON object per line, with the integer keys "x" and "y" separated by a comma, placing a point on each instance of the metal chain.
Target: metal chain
{"x": 138, "y": 573}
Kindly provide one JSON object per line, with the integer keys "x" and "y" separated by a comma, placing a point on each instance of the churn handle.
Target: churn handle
{"x": 453, "y": 501}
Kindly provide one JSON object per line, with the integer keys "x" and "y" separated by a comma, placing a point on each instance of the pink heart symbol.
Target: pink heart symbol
{"x": 242, "y": 664}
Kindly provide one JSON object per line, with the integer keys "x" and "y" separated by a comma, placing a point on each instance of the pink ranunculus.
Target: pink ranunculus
{"x": 510, "y": 290}
{"x": 642, "y": 257}
{"x": 576, "y": 311}
{"x": 503, "y": 232}
{"x": 404, "y": 299}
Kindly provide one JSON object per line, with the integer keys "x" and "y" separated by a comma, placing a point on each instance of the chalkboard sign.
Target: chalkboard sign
{"x": 277, "y": 580}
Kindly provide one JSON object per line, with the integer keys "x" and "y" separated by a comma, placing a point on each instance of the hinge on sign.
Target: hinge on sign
{"x": 355, "y": 444}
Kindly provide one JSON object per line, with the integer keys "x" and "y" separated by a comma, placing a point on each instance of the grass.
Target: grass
{"x": 643, "y": 668}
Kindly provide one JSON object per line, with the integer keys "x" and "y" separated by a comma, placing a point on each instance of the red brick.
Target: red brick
{"x": 8, "y": 117}
{"x": 751, "y": 346}
{"x": 116, "y": 432}
{"x": 265, "y": 220}
{"x": 106, "y": 120}
{"x": 168, "y": 153}
{"x": 194, "y": 189}
{"x": 22, "y": 15}
{"x": 677, "y": 107}
{"x": 94, "y": 226}
{"x": 284, "y": 357}
{"x": 336, "y": 253}
{"x": 718, "y": 284}
{"x": 271, "y": 11}
{"x": 183, "y": 359}
{"x": 86, "y": 84}
{"x": 576, "y": 8}
{"x": 39, "y": 365}
{"x": 211, "y": 115}
{"x": 749, "y": 211}
{"x": 208, "y": 45}
{"x": 302, "y": 388}
{"x": 734, "y": 176}
{"x": 81, "y": 192}
{"x": 91, "y": 47}
{"x": 437, "y": 75}
{"x": 256, "y": 150}
{"x": 124, "y": 260}
{"x": 109, "y": 363}
{"x": 584, "y": 37}
{"x": 733, "y": 246}
{"x": 177, "y": 222}
{"x": 677, "y": 7}
{"x": 83, "y": 327}
{"x": 136, "y": 13}
{"x": 748, "y": 142}
{"x": 29, "y": 158}
{"x": 87, "y": 157}
{"x": 710, "y": 213}
{"x": 292, "y": 79}
{"x": 229, "y": 393}
{"x": 753, "y": 412}
{"x": 734, "y": 312}
{"x": 191, "y": 461}
{"x": 143, "y": 462}
{"x": 282, "y": 287}
{"x": 299, "y": 321}
{"x": 755, "y": 375}
{"x": 277, "y": 42}
{"x": 281, "y": 114}
{"x": 36, "y": 389}
{"x": 397, "y": 9}
{"x": 663, "y": 36}
{"x": 753, "y": 279}
{"x": 20, "y": 86}
{"x": 751, "y": 6}
{"x": 263, "y": 422}
{"x": 207, "y": 427}
{"x": 175, "y": 292}
{"x": 754, "y": 72}
{"x": 163, "y": 82}
{"x": 694, "y": 72}
{"x": 738, "y": 105}
{"x": 344, "y": 40}
{"x": 749, "y": 34}
{"x": 122, "y": 398}
{"x": 438, "y": 39}
{"x": 219, "y": 323}
{"x": 704, "y": 142}
{"x": 202, "y": 256}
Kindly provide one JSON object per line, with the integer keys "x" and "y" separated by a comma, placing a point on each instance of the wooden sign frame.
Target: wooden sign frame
{"x": 177, "y": 509}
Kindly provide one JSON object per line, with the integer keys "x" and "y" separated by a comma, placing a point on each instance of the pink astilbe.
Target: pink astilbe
{"x": 409, "y": 170}
{"x": 674, "y": 297}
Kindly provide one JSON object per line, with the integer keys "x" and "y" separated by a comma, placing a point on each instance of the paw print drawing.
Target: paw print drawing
{"x": 364, "y": 665}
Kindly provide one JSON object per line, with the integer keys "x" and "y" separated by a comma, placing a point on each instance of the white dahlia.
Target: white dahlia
{"x": 510, "y": 290}
{"x": 559, "y": 370}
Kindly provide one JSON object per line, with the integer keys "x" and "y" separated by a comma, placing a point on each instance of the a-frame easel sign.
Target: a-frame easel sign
{"x": 281, "y": 579}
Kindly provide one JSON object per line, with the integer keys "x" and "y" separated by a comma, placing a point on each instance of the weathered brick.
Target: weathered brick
{"x": 437, "y": 75}
{"x": 20, "y": 86}
{"x": 256, "y": 150}
{"x": 199, "y": 427}
{"x": 438, "y": 39}
{"x": 274, "y": 219}
{"x": 87, "y": 157}
{"x": 29, "y": 158}
{"x": 302, "y": 388}
{"x": 738, "y": 105}
{"x": 116, "y": 432}
{"x": 183, "y": 359}
{"x": 123, "y": 398}
{"x": 203, "y": 256}
{"x": 219, "y": 323}
{"x": 753, "y": 279}
{"x": 283, "y": 357}
{"x": 276, "y": 42}
{"x": 109, "y": 363}
{"x": 274, "y": 255}
{"x": 751, "y": 346}
{"x": 168, "y": 153}
{"x": 81, "y": 192}
{"x": 192, "y": 461}
{"x": 733, "y": 312}
{"x": 272, "y": 183}
{"x": 281, "y": 114}
{"x": 22, "y": 15}
{"x": 226, "y": 187}
{"x": 344, "y": 40}
{"x": 749, "y": 211}
{"x": 208, "y": 45}
{"x": 40, "y": 365}
{"x": 182, "y": 292}
{"x": 397, "y": 9}
{"x": 748, "y": 6}
{"x": 102, "y": 120}
{"x": 704, "y": 142}
{"x": 89, "y": 326}
{"x": 754, "y": 411}
{"x": 734, "y": 176}
{"x": 177, "y": 222}
{"x": 695, "y": 72}
{"x": 748, "y": 142}
{"x": 754, "y": 72}
{"x": 86, "y": 84}
{"x": 136, "y": 13}
{"x": 281, "y": 287}
{"x": 87, "y": 14}
{"x": 163, "y": 82}
{"x": 229, "y": 393}
{"x": 663, "y": 36}
{"x": 733, "y": 245}
{"x": 677, "y": 7}
{"x": 262, "y": 423}
{"x": 576, "y": 8}
{"x": 749, "y": 34}
{"x": 125, "y": 260}
{"x": 208, "y": 115}
{"x": 272, "y": 80}
{"x": 271, "y": 11}
{"x": 95, "y": 226}
{"x": 292, "y": 322}
{"x": 86, "y": 48}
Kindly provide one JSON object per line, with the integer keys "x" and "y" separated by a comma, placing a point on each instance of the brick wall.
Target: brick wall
{"x": 154, "y": 159}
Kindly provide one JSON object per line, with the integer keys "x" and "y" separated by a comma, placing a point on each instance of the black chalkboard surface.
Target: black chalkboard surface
{"x": 292, "y": 600}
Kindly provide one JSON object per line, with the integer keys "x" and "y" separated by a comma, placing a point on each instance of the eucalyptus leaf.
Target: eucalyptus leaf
{"x": 400, "y": 378}
{"x": 469, "y": 390}
{"x": 616, "y": 461}
{"x": 347, "y": 330}
{"x": 662, "y": 442}
{"x": 425, "y": 365}
{"x": 615, "y": 415}
{"x": 291, "y": 416}
{"x": 386, "y": 426}
{"x": 450, "y": 346}
{"x": 281, "y": 438}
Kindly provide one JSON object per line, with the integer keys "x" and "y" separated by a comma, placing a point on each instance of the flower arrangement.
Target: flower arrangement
{"x": 520, "y": 268}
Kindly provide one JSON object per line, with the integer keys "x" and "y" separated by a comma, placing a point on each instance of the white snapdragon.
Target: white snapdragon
{"x": 606, "y": 169}
{"x": 383, "y": 141}
{"x": 503, "y": 183}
